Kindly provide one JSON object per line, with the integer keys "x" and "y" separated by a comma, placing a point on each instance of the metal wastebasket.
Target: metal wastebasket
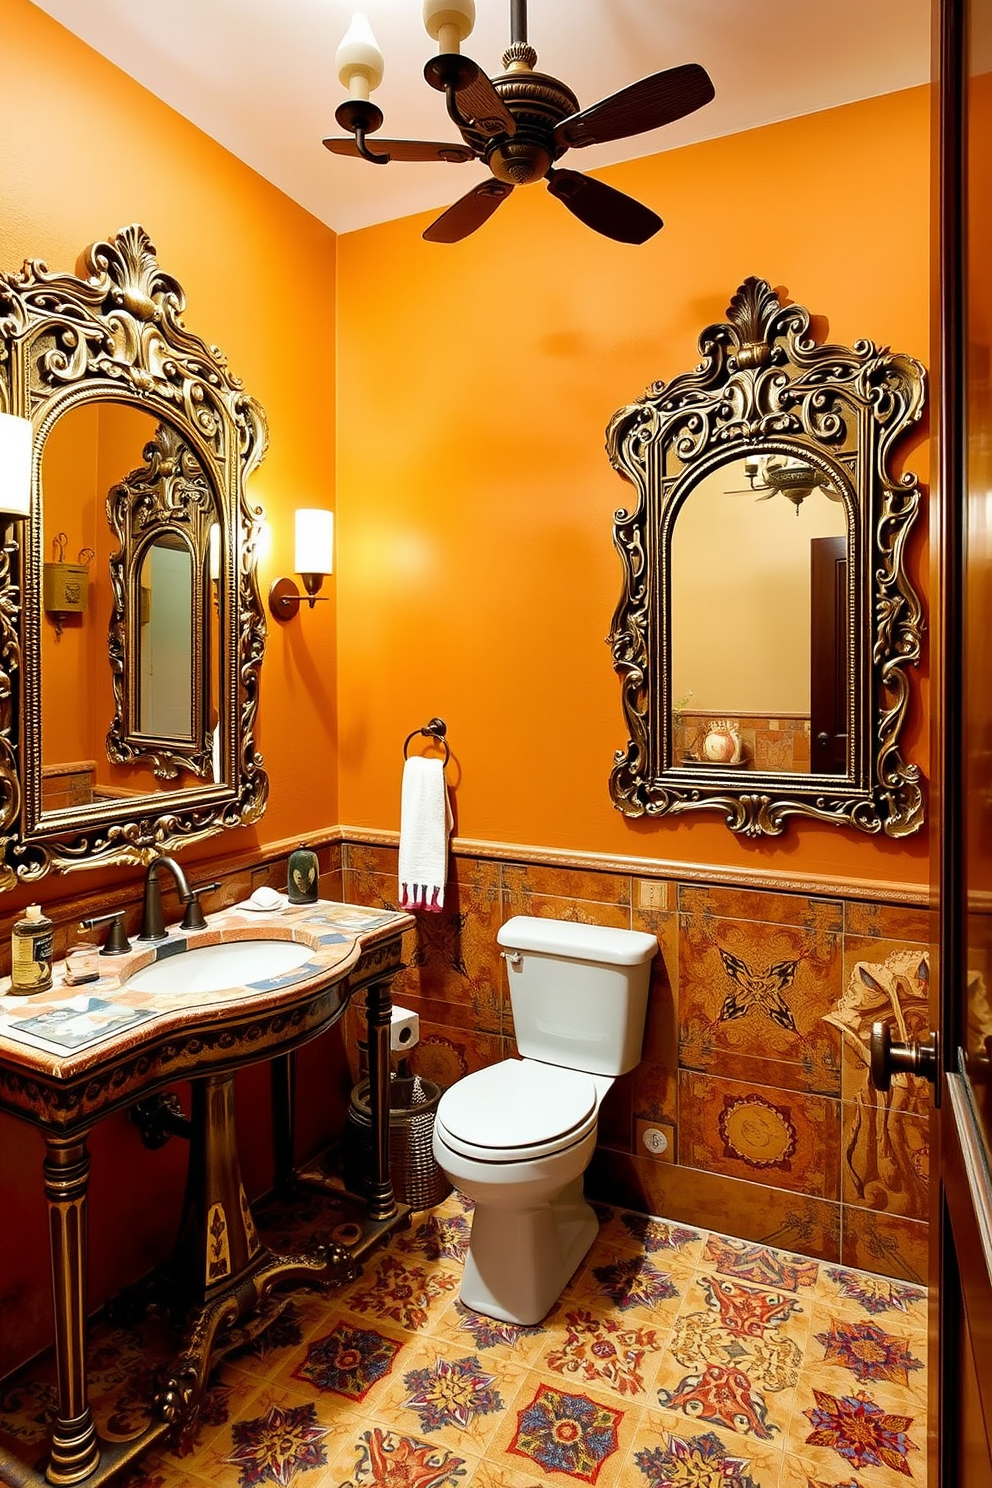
{"x": 416, "y": 1178}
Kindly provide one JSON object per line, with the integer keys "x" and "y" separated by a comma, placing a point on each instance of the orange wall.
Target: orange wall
{"x": 476, "y": 573}
{"x": 83, "y": 151}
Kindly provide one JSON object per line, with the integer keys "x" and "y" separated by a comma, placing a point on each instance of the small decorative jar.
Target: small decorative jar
{"x": 722, "y": 743}
{"x": 301, "y": 878}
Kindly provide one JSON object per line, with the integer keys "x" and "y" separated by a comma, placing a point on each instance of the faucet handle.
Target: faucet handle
{"x": 117, "y": 943}
{"x": 193, "y": 915}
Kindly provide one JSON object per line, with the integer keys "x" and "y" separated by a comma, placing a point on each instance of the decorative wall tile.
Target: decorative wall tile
{"x": 762, "y": 906}
{"x": 789, "y": 1139}
{"x": 560, "y": 907}
{"x": 796, "y": 1222}
{"x": 526, "y": 881}
{"x": 886, "y": 1159}
{"x": 887, "y": 1243}
{"x": 752, "y": 999}
{"x": 884, "y": 983}
{"x": 892, "y": 922}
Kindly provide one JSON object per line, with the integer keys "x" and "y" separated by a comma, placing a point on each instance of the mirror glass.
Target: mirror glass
{"x": 165, "y": 640}
{"x": 115, "y": 488}
{"x": 746, "y": 544}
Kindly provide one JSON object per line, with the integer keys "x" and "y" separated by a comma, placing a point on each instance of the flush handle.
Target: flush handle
{"x": 913, "y": 1058}
{"x": 514, "y": 957}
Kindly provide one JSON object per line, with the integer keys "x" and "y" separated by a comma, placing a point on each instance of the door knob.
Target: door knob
{"x": 888, "y": 1059}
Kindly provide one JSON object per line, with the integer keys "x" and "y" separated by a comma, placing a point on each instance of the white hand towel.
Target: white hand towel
{"x": 425, "y": 821}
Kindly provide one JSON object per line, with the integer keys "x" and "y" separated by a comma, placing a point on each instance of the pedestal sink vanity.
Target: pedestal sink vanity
{"x": 188, "y": 1009}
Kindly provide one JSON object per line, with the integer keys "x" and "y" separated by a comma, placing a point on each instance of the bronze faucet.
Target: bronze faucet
{"x": 152, "y": 922}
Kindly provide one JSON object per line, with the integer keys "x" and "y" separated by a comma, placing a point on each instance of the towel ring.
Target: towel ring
{"x": 435, "y": 730}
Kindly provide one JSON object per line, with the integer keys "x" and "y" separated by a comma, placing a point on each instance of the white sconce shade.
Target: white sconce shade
{"x": 314, "y": 542}
{"x": 214, "y": 551}
{"x": 16, "y": 445}
{"x": 449, "y": 22}
{"x": 359, "y": 61}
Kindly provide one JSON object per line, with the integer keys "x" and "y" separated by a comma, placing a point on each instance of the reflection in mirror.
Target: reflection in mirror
{"x": 742, "y": 627}
{"x": 136, "y": 659}
{"x": 165, "y": 639}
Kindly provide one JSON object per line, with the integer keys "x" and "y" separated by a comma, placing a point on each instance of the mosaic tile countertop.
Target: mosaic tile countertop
{"x": 676, "y": 1358}
{"x": 69, "y": 1028}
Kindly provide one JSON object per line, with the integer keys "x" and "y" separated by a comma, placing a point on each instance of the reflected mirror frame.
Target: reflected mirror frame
{"x": 765, "y": 386}
{"x": 115, "y": 333}
{"x": 169, "y": 496}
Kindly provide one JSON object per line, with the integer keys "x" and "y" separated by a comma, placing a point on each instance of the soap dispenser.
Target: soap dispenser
{"x": 31, "y": 953}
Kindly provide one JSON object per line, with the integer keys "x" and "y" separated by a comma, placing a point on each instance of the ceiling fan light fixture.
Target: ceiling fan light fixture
{"x": 448, "y": 22}
{"x": 359, "y": 60}
{"x": 518, "y": 124}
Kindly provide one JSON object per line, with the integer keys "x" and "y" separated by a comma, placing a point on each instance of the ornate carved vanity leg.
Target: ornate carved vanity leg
{"x": 378, "y": 1009}
{"x": 75, "y": 1451}
{"x": 283, "y": 1078}
{"x": 217, "y": 1239}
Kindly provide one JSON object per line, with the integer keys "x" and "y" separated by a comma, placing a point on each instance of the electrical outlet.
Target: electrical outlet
{"x": 652, "y": 893}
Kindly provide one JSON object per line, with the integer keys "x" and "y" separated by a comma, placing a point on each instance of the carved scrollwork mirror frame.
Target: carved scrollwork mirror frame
{"x": 114, "y": 333}
{"x": 766, "y": 387}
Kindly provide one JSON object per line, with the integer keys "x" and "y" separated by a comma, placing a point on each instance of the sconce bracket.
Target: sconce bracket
{"x": 284, "y": 599}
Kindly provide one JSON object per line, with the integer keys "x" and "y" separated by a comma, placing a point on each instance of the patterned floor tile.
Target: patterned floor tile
{"x": 451, "y": 1395}
{"x": 557, "y": 1429}
{"x": 862, "y": 1294}
{"x": 670, "y": 1452}
{"x": 676, "y": 1358}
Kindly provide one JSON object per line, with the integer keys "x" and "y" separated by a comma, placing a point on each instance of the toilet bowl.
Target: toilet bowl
{"x": 517, "y": 1136}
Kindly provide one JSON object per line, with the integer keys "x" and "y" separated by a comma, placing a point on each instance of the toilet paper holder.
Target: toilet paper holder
{"x": 404, "y": 1030}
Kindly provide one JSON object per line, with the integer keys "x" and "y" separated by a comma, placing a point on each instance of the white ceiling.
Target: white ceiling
{"x": 259, "y": 76}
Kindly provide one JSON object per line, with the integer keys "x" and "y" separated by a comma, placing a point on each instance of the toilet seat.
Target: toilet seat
{"x": 517, "y": 1110}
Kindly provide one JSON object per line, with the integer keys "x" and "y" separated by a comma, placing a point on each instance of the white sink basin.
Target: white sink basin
{"x": 215, "y": 968}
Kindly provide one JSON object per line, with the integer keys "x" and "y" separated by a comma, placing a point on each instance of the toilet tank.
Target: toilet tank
{"x": 579, "y": 992}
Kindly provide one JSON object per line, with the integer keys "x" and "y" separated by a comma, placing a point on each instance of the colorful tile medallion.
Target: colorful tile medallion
{"x": 876, "y": 1294}
{"x": 693, "y": 1462}
{"x": 386, "y": 1458}
{"x": 453, "y": 1392}
{"x": 861, "y": 1431}
{"x": 632, "y": 1281}
{"x": 348, "y": 1361}
{"x": 759, "y": 1264}
{"x": 567, "y": 1433}
{"x": 600, "y": 1348}
{"x": 872, "y": 1355}
{"x": 274, "y": 1447}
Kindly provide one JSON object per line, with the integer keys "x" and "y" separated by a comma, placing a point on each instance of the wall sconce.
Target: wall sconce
{"x": 16, "y": 445}
{"x": 314, "y": 558}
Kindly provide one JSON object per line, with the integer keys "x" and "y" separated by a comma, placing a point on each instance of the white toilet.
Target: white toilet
{"x": 518, "y": 1136}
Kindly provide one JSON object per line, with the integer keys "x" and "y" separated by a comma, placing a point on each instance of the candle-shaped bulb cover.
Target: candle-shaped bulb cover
{"x": 314, "y": 547}
{"x": 359, "y": 61}
{"x": 449, "y": 22}
{"x": 16, "y": 445}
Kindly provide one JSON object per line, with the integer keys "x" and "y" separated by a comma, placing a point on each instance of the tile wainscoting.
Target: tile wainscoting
{"x": 751, "y": 1111}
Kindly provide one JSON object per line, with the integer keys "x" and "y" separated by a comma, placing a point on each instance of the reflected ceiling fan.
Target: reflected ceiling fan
{"x": 785, "y": 475}
{"x": 519, "y": 124}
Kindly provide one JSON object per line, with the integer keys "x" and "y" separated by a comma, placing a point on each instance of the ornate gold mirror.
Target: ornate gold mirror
{"x": 132, "y": 627}
{"x": 767, "y": 620}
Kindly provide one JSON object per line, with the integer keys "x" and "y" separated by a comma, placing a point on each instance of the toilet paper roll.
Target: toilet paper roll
{"x": 404, "y": 1030}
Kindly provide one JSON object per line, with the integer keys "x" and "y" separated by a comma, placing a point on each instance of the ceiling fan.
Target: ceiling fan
{"x": 774, "y": 475}
{"x": 519, "y": 123}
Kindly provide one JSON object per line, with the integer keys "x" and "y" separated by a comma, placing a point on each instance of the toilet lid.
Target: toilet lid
{"x": 518, "y": 1106}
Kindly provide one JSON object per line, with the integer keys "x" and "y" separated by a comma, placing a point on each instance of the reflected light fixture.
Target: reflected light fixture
{"x": 16, "y": 446}
{"x": 314, "y": 558}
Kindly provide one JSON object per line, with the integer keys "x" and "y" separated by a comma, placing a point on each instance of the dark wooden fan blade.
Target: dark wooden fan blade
{"x": 468, "y": 213}
{"x": 655, "y": 100}
{"x": 404, "y": 149}
{"x": 479, "y": 102}
{"x": 602, "y": 208}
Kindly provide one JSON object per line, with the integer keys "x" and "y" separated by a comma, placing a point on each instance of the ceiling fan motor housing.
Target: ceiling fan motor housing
{"x": 537, "y": 102}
